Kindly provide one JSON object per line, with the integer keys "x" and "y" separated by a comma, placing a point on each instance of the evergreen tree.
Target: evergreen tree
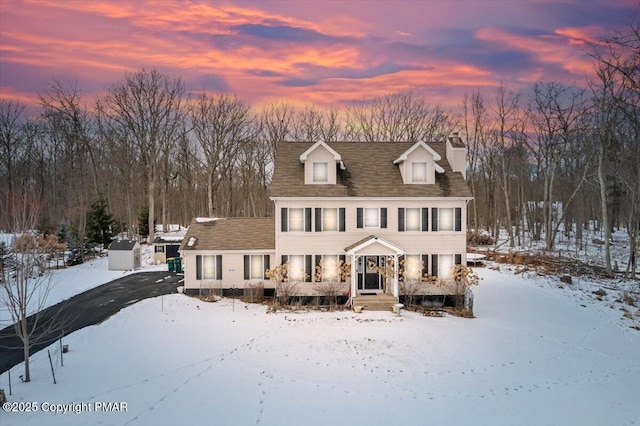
{"x": 99, "y": 223}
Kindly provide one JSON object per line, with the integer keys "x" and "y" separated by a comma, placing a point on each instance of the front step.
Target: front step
{"x": 380, "y": 302}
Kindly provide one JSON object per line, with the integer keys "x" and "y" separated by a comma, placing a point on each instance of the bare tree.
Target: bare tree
{"x": 221, "y": 124}
{"x": 149, "y": 106}
{"x": 26, "y": 285}
{"x": 11, "y": 149}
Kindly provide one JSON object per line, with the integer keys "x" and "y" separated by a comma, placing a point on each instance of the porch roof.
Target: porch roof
{"x": 372, "y": 239}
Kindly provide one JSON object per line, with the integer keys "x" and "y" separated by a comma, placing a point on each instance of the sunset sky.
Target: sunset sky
{"x": 305, "y": 52}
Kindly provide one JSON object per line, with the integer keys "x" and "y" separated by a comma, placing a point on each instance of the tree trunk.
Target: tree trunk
{"x": 603, "y": 205}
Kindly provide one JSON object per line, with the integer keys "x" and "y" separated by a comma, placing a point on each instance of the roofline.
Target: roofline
{"x": 371, "y": 198}
{"x": 372, "y": 239}
{"x": 405, "y": 155}
{"x": 336, "y": 156}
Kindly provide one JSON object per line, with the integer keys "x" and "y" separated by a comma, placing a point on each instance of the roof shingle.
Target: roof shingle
{"x": 231, "y": 234}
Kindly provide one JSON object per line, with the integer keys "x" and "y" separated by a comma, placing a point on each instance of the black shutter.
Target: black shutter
{"x": 434, "y": 219}
{"x": 307, "y": 267}
{"x": 341, "y": 224}
{"x": 285, "y": 258}
{"x": 434, "y": 265}
{"x": 458, "y": 219}
{"x": 218, "y": 267}
{"x": 359, "y": 218}
{"x": 342, "y": 260}
{"x": 307, "y": 219}
{"x": 400, "y": 219}
{"x": 284, "y": 220}
{"x": 425, "y": 219}
{"x": 425, "y": 265}
{"x": 198, "y": 267}
{"x": 247, "y": 260}
{"x": 318, "y": 219}
{"x": 267, "y": 265}
{"x": 383, "y": 217}
{"x": 458, "y": 259}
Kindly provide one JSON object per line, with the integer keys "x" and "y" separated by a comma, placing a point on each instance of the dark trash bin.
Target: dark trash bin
{"x": 171, "y": 264}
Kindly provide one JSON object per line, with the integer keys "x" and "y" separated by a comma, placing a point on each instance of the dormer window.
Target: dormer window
{"x": 419, "y": 172}
{"x": 320, "y": 173}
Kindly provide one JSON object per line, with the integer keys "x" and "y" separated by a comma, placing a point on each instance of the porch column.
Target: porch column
{"x": 396, "y": 276}
{"x": 354, "y": 276}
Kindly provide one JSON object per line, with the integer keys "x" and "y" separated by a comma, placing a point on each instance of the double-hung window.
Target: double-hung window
{"x": 329, "y": 219}
{"x": 446, "y": 219}
{"x": 413, "y": 219}
{"x": 299, "y": 267}
{"x": 419, "y": 172}
{"x": 255, "y": 266}
{"x": 209, "y": 267}
{"x": 328, "y": 267}
{"x": 442, "y": 265}
{"x": 295, "y": 219}
{"x": 371, "y": 217}
{"x": 320, "y": 173}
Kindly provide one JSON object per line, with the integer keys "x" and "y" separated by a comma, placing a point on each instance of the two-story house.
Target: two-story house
{"x": 367, "y": 204}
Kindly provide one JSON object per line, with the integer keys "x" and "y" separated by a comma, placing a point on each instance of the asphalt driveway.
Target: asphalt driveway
{"x": 88, "y": 308}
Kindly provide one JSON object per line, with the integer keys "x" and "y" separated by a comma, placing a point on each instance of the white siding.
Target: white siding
{"x": 457, "y": 158}
{"x": 232, "y": 270}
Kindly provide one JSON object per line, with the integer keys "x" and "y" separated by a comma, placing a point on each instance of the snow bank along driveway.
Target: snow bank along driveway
{"x": 533, "y": 356}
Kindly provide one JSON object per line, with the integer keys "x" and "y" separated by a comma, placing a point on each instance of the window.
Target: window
{"x": 295, "y": 219}
{"x": 255, "y": 266}
{"x": 415, "y": 267}
{"x": 413, "y": 219}
{"x": 419, "y": 172}
{"x": 442, "y": 265}
{"x": 330, "y": 219}
{"x": 320, "y": 173}
{"x": 446, "y": 219}
{"x": 159, "y": 249}
{"x": 327, "y": 267}
{"x": 371, "y": 217}
{"x": 299, "y": 267}
{"x": 209, "y": 267}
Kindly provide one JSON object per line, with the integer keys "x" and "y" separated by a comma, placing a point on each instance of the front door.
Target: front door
{"x": 368, "y": 277}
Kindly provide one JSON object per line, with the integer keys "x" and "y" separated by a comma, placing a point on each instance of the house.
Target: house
{"x": 367, "y": 204}
{"x": 227, "y": 253}
{"x": 124, "y": 255}
{"x": 165, "y": 247}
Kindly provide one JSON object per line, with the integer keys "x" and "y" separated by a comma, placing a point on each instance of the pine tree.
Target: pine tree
{"x": 99, "y": 223}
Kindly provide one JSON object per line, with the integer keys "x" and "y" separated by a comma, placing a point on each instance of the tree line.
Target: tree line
{"x": 550, "y": 159}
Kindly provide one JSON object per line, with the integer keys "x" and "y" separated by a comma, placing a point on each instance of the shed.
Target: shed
{"x": 165, "y": 247}
{"x": 124, "y": 255}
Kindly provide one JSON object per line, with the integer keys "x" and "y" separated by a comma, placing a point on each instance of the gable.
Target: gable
{"x": 320, "y": 164}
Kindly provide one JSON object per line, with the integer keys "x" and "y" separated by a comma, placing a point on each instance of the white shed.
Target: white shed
{"x": 124, "y": 255}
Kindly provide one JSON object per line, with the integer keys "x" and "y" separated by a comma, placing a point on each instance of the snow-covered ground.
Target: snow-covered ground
{"x": 534, "y": 355}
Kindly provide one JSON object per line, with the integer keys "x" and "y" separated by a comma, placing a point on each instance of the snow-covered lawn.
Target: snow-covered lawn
{"x": 534, "y": 355}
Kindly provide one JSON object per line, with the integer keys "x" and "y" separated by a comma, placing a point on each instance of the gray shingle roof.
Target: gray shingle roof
{"x": 122, "y": 245}
{"x": 370, "y": 172}
{"x": 231, "y": 234}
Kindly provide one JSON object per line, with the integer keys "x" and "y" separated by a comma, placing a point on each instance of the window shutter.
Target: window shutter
{"x": 318, "y": 219}
{"x": 383, "y": 217}
{"x": 400, "y": 219}
{"x": 307, "y": 219}
{"x": 218, "y": 267}
{"x": 342, "y": 260}
{"x": 425, "y": 265}
{"x": 360, "y": 218}
{"x": 285, "y": 258}
{"x": 458, "y": 219}
{"x": 425, "y": 219}
{"x": 284, "y": 221}
{"x": 198, "y": 267}
{"x": 267, "y": 265}
{"x": 458, "y": 260}
{"x": 434, "y": 265}
{"x": 307, "y": 267}
{"x": 434, "y": 219}
{"x": 341, "y": 224}
{"x": 247, "y": 260}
